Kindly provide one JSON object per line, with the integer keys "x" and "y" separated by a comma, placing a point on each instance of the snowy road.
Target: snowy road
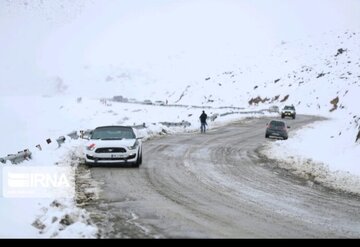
{"x": 217, "y": 186}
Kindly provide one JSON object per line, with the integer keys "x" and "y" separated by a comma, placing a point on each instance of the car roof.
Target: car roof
{"x": 114, "y": 126}
{"x": 274, "y": 120}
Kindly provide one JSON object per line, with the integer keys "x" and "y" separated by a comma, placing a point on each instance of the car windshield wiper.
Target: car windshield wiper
{"x": 109, "y": 139}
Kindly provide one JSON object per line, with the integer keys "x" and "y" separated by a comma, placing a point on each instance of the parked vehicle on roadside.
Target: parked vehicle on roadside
{"x": 132, "y": 100}
{"x": 159, "y": 102}
{"x": 277, "y": 128}
{"x": 113, "y": 145}
{"x": 274, "y": 108}
{"x": 147, "y": 102}
{"x": 288, "y": 111}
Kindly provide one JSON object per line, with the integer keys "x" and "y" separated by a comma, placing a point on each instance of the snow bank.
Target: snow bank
{"x": 50, "y": 216}
{"x": 320, "y": 154}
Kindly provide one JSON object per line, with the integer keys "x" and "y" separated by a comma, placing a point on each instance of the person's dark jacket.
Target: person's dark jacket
{"x": 203, "y": 117}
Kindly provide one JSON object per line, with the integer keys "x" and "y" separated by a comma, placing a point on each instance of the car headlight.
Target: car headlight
{"x": 91, "y": 147}
{"x": 136, "y": 144}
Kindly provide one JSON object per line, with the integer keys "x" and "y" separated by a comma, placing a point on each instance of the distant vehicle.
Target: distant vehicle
{"x": 120, "y": 98}
{"x": 274, "y": 108}
{"x": 113, "y": 145}
{"x": 277, "y": 129}
{"x": 132, "y": 100}
{"x": 159, "y": 102}
{"x": 147, "y": 102}
{"x": 288, "y": 111}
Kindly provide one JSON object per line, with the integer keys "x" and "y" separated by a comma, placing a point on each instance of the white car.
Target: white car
{"x": 113, "y": 145}
{"x": 288, "y": 111}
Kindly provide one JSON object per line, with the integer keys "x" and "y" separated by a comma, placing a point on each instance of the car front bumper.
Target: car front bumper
{"x": 95, "y": 158}
{"x": 288, "y": 114}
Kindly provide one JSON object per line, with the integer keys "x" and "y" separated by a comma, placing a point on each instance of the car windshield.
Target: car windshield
{"x": 113, "y": 133}
{"x": 288, "y": 108}
{"x": 277, "y": 124}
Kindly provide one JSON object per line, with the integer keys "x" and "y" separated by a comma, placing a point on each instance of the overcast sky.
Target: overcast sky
{"x": 43, "y": 39}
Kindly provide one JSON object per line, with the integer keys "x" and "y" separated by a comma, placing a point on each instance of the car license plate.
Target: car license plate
{"x": 275, "y": 134}
{"x": 117, "y": 156}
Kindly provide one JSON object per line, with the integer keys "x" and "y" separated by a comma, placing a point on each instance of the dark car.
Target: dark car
{"x": 277, "y": 129}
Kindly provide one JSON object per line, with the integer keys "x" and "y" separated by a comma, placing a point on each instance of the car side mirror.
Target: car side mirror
{"x": 87, "y": 137}
{"x": 288, "y": 127}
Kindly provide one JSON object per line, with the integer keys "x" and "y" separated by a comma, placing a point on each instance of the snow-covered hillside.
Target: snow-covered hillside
{"x": 319, "y": 75}
{"x": 143, "y": 49}
{"x": 296, "y": 68}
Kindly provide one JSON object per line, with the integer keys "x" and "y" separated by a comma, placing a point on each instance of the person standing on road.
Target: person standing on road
{"x": 203, "y": 118}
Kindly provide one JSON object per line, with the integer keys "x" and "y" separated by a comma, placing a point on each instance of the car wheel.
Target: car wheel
{"x": 294, "y": 117}
{"x": 266, "y": 136}
{"x": 140, "y": 161}
{"x": 285, "y": 138}
{"x": 282, "y": 116}
{"x": 136, "y": 164}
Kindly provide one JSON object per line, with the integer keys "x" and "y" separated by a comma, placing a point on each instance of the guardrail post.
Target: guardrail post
{"x": 73, "y": 135}
{"x": 60, "y": 140}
